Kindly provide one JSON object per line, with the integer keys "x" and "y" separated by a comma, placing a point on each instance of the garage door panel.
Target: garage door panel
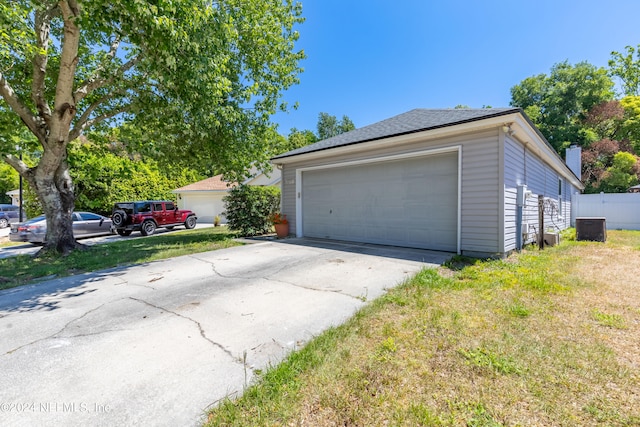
{"x": 410, "y": 202}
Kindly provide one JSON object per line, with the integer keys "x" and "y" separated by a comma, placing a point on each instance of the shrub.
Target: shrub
{"x": 249, "y": 208}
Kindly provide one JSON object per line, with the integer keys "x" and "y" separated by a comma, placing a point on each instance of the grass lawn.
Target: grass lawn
{"x": 20, "y": 270}
{"x": 543, "y": 338}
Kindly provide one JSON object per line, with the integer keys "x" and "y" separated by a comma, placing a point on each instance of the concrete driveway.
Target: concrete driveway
{"x": 157, "y": 344}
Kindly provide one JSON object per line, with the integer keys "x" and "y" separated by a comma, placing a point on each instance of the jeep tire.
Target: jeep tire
{"x": 119, "y": 218}
{"x": 148, "y": 228}
{"x": 190, "y": 222}
{"x": 124, "y": 233}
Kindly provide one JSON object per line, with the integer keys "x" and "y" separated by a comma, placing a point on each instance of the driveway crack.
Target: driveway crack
{"x": 57, "y": 334}
{"x": 202, "y": 333}
{"x": 311, "y": 288}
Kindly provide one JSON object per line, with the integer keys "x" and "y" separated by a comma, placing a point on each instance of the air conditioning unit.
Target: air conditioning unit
{"x": 594, "y": 229}
{"x": 551, "y": 239}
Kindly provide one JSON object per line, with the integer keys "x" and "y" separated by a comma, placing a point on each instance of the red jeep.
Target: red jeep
{"x": 145, "y": 216}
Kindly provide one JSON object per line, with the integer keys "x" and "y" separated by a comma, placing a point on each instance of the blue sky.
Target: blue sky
{"x": 374, "y": 59}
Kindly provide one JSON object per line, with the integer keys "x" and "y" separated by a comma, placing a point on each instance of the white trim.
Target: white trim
{"x": 299, "y": 231}
{"x": 423, "y": 153}
{"x": 459, "y": 236}
{"x": 560, "y": 197}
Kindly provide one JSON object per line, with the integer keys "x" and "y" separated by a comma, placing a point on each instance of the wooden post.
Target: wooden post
{"x": 540, "y": 221}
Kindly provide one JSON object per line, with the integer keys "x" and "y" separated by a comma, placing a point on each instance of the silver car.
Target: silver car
{"x": 85, "y": 224}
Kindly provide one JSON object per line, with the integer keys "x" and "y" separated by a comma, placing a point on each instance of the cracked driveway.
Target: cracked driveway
{"x": 159, "y": 343}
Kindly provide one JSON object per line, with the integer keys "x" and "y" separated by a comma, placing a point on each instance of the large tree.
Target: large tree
{"x": 559, "y": 102}
{"x": 201, "y": 77}
{"x": 329, "y": 126}
{"x": 627, "y": 70}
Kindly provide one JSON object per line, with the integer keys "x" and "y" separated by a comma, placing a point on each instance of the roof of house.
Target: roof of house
{"x": 210, "y": 184}
{"x": 417, "y": 120}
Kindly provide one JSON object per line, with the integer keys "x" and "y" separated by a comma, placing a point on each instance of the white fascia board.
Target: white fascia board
{"x": 527, "y": 135}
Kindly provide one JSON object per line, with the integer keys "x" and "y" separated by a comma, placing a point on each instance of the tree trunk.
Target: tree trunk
{"x": 54, "y": 187}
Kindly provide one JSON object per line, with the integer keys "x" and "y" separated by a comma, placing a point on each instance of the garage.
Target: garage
{"x": 408, "y": 200}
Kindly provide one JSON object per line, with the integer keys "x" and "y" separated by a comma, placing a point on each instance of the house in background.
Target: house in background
{"x": 15, "y": 197}
{"x": 205, "y": 197}
{"x": 458, "y": 180}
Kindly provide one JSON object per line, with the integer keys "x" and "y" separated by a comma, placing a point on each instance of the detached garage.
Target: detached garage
{"x": 432, "y": 179}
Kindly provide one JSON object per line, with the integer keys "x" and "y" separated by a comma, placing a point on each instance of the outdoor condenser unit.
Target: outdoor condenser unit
{"x": 594, "y": 229}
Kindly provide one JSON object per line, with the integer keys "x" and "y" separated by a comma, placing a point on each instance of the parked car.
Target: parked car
{"x": 85, "y": 224}
{"x": 12, "y": 212}
{"x": 5, "y": 219}
{"x": 147, "y": 215}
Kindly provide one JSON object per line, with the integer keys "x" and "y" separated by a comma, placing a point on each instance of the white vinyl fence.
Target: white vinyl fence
{"x": 622, "y": 211}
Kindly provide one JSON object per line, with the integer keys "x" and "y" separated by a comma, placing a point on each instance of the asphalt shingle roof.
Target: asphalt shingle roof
{"x": 417, "y": 120}
{"x": 210, "y": 184}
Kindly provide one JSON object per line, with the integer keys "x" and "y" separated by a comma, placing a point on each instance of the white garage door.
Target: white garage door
{"x": 407, "y": 202}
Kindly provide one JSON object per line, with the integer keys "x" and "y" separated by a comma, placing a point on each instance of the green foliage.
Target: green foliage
{"x": 300, "y": 138}
{"x": 329, "y": 126}
{"x": 623, "y": 66}
{"x": 102, "y": 178}
{"x": 558, "y": 103}
{"x": 248, "y": 209}
{"x": 568, "y": 234}
{"x": 622, "y": 173}
{"x": 630, "y": 127}
{"x": 9, "y": 181}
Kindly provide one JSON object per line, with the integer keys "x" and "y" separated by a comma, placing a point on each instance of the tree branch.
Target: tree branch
{"x": 96, "y": 82}
{"x": 90, "y": 109}
{"x": 65, "y": 105}
{"x": 17, "y": 164}
{"x": 42, "y": 29}
{"x": 81, "y": 126}
{"x": 89, "y": 84}
{"x": 32, "y": 121}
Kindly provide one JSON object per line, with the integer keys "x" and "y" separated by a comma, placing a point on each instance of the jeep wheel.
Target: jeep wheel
{"x": 148, "y": 228}
{"x": 119, "y": 218}
{"x": 124, "y": 233}
{"x": 190, "y": 222}
{"x": 4, "y": 223}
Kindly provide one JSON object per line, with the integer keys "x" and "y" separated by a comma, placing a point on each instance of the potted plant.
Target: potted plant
{"x": 281, "y": 224}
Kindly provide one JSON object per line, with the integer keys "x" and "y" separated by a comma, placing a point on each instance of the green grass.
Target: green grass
{"x": 9, "y": 243}
{"x": 523, "y": 341}
{"x": 610, "y": 320}
{"x": 24, "y": 269}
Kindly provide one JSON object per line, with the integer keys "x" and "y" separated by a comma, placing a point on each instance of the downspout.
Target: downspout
{"x": 521, "y": 198}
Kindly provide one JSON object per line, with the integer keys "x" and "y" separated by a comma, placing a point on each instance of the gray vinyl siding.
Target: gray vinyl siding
{"x": 513, "y": 176}
{"x": 288, "y": 196}
{"x": 480, "y": 197}
{"x": 521, "y": 166}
